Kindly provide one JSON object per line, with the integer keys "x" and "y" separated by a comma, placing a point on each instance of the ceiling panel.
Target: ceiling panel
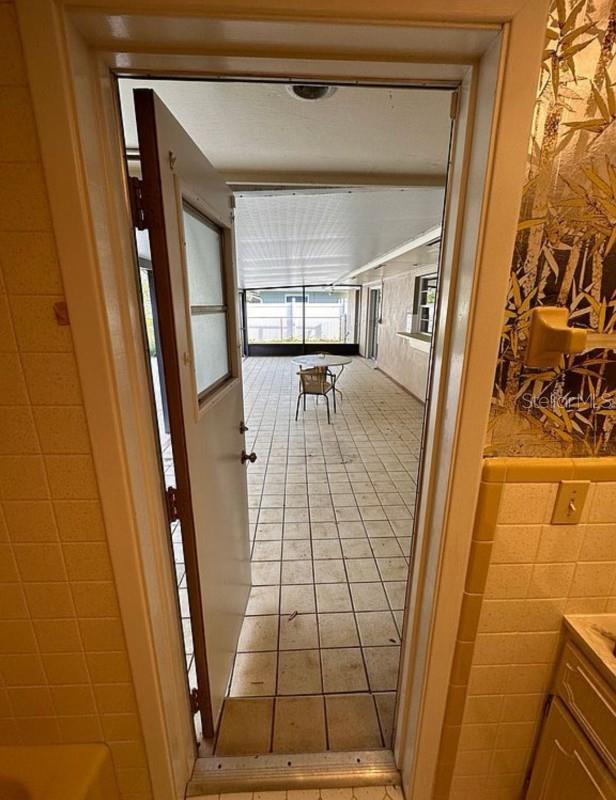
{"x": 247, "y": 128}
{"x": 317, "y": 236}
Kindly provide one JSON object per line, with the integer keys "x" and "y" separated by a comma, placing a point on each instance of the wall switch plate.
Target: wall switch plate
{"x": 570, "y": 502}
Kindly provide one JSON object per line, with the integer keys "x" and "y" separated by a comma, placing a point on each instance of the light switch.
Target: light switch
{"x": 570, "y": 502}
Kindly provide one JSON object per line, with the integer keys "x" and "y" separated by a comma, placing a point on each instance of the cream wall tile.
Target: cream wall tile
{"x": 38, "y": 730}
{"x": 112, "y": 667}
{"x": 30, "y": 701}
{"x": 508, "y": 581}
{"x": 22, "y": 670}
{"x": 36, "y": 327}
{"x": 599, "y": 543}
{"x": 603, "y": 507}
{"x": 13, "y": 383}
{"x": 65, "y": 668}
{"x": 16, "y": 637}
{"x": 87, "y": 561}
{"x": 49, "y": 600}
{"x": 8, "y": 565}
{"x": 559, "y": 543}
{"x": 73, "y": 700}
{"x": 96, "y": 599}
{"x": 52, "y": 379}
{"x": 515, "y": 544}
{"x": 22, "y": 478}
{"x": 523, "y": 503}
{"x": 79, "y": 520}
{"x": 592, "y": 579}
{"x": 12, "y": 603}
{"x": 17, "y": 431}
{"x": 40, "y": 562}
{"x": 114, "y": 698}
{"x": 102, "y": 634}
{"x": 12, "y": 67}
{"x": 62, "y": 429}
{"x": 550, "y": 580}
{"x": 29, "y": 263}
{"x": 18, "y": 140}
{"x": 30, "y": 521}
{"x": 71, "y": 477}
{"x": 23, "y": 200}
{"x": 57, "y": 635}
{"x": 80, "y": 729}
{"x": 8, "y": 343}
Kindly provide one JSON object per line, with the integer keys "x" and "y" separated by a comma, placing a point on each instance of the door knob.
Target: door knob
{"x": 243, "y": 427}
{"x": 252, "y": 457}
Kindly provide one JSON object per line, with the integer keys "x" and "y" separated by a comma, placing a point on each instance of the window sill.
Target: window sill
{"x": 418, "y": 341}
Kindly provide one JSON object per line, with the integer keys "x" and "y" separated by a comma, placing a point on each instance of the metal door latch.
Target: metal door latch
{"x": 252, "y": 457}
{"x": 243, "y": 427}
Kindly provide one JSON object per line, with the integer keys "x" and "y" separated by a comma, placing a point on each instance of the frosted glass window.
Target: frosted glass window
{"x": 210, "y": 349}
{"x": 206, "y": 296}
{"x": 203, "y": 243}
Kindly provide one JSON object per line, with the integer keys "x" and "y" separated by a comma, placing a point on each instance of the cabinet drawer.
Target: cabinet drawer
{"x": 590, "y": 700}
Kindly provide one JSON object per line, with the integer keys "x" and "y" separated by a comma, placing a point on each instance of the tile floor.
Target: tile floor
{"x": 331, "y": 511}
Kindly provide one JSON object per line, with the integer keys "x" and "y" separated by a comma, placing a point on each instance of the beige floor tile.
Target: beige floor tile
{"x": 296, "y": 530}
{"x": 296, "y": 549}
{"x": 254, "y": 675}
{"x": 299, "y": 725}
{"x": 326, "y": 548}
{"x": 299, "y": 632}
{"x": 386, "y": 548}
{"x": 343, "y": 670}
{"x": 356, "y": 548}
{"x": 396, "y": 594}
{"x": 265, "y": 573}
{"x": 266, "y": 551}
{"x": 245, "y": 727}
{"x": 323, "y": 530}
{"x": 351, "y": 530}
{"x": 333, "y": 597}
{"x": 392, "y": 569}
{"x": 329, "y": 571}
{"x": 263, "y": 600}
{"x": 338, "y": 630}
{"x": 377, "y": 628}
{"x": 298, "y": 599}
{"x": 369, "y": 597}
{"x": 299, "y": 672}
{"x": 268, "y": 531}
{"x": 352, "y": 722}
{"x": 386, "y": 706}
{"x": 296, "y": 572}
{"x": 361, "y": 570}
{"x": 382, "y": 664}
{"x": 258, "y": 634}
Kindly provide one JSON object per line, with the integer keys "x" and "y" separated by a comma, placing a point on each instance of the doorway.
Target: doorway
{"x": 374, "y": 320}
{"x": 85, "y": 253}
{"x": 315, "y": 661}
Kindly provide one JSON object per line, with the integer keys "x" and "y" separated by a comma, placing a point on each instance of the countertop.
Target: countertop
{"x": 583, "y": 630}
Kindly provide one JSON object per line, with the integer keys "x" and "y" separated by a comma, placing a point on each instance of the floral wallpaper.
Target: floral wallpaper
{"x": 565, "y": 250}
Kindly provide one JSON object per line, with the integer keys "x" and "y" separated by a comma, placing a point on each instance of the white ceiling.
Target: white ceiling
{"x": 248, "y": 129}
{"x": 318, "y": 236}
{"x": 358, "y": 136}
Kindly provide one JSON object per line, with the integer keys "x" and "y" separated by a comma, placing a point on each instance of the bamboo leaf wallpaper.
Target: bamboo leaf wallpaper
{"x": 565, "y": 250}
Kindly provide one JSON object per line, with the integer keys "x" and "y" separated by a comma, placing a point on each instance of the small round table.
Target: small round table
{"x": 327, "y": 360}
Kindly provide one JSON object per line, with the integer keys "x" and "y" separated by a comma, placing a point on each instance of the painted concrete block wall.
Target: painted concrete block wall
{"x": 397, "y": 357}
{"x": 534, "y": 573}
{"x": 64, "y": 672}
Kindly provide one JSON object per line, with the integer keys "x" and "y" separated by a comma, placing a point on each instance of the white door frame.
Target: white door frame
{"x": 68, "y": 55}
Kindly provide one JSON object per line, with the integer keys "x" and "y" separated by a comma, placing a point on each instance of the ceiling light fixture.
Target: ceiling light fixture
{"x": 310, "y": 91}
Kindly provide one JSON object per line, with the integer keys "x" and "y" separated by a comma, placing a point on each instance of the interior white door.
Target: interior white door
{"x": 188, "y": 210}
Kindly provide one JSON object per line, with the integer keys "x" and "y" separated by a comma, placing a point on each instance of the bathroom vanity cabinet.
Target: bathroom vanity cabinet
{"x": 576, "y": 755}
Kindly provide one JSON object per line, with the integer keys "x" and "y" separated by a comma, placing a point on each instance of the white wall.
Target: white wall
{"x": 403, "y": 359}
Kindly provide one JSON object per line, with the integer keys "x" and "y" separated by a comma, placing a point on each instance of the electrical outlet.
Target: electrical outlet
{"x": 570, "y": 502}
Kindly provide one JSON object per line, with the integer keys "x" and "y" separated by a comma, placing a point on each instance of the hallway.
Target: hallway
{"x": 331, "y": 510}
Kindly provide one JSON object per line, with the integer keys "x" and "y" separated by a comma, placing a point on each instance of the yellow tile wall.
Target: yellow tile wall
{"x": 64, "y": 672}
{"x": 536, "y": 572}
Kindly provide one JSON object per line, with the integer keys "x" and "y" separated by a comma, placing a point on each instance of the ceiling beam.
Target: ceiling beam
{"x": 245, "y": 180}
